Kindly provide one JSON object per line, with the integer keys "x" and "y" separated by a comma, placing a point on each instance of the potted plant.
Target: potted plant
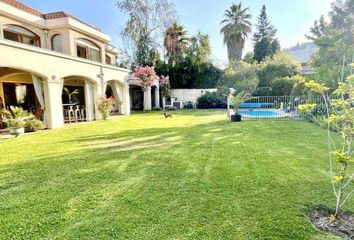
{"x": 32, "y": 124}
{"x": 16, "y": 126}
{"x": 70, "y": 93}
{"x": 15, "y": 119}
{"x": 236, "y": 102}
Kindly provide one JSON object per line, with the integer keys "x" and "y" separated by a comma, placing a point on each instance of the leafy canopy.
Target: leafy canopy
{"x": 335, "y": 40}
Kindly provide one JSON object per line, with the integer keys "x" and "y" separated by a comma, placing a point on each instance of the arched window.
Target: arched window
{"x": 20, "y": 34}
{"x": 87, "y": 49}
{"x": 57, "y": 43}
{"x": 108, "y": 59}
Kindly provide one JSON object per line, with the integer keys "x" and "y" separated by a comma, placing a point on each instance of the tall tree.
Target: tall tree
{"x": 262, "y": 49}
{"x": 264, "y": 40}
{"x": 236, "y": 26}
{"x": 335, "y": 40}
{"x": 318, "y": 29}
{"x": 194, "y": 69}
{"x": 199, "y": 48}
{"x": 175, "y": 42}
{"x": 145, "y": 28}
{"x": 264, "y": 28}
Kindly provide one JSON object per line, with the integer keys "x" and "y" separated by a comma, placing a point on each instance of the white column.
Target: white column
{"x": 1, "y": 32}
{"x": 53, "y": 103}
{"x": 101, "y": 84}
{"x": 163, "y": 102}
{"x": 115, "y": 94}
{"x": 2, "y": 96}
{"x": 100, "y": 91}
{"x": 126, "y": 100}
{"x": 157, "y": 97}
{"x": 89, "y": 101}
{"x": 118, "y": 95}
{"x": 147, "y": 99}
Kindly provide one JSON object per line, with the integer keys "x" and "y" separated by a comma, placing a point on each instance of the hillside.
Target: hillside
{"x": 302, "y": 52}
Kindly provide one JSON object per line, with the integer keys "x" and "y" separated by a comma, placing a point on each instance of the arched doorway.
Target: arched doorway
{"x": 114, "y": 90}
{"x": 136, "y": 97}
{"x": 153, "y": 96}
{"x": 22, "y": 89}
{"x": 78, "y": 99}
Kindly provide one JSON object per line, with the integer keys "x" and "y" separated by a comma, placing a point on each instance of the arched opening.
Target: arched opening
{"x": 88, "y": 50}
{"x": 136, "y": 97}
{"x": 21, "y": 35}
{"x": 108, "y": 59}
{"x": 78, "y": 99}
{"x": 57, "y": 43}
{"x": 22, "y": 89}
{"x": 153, "y": 96}
{"x": 114, "y": 90}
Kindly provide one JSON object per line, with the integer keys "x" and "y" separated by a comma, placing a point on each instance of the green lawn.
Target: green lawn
{"x": 195, "y": 176}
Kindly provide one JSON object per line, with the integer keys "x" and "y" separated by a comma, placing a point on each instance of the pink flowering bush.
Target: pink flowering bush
{"x": 146, "y": 75}
{"x": 165, "y": 86}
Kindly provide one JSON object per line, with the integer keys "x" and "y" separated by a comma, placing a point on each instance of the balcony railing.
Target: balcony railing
{"x": 52, "y": 53}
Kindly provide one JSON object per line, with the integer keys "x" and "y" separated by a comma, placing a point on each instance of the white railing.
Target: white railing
{"x": 52, "y": 53}
{"x": 278, "y": 107}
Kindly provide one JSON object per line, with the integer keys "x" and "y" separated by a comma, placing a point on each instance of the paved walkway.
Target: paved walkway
{"x": 4, "y": 134}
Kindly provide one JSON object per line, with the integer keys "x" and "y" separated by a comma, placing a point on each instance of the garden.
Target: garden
{"x": 194, "y": 176}
{"x": 206, "y": 173}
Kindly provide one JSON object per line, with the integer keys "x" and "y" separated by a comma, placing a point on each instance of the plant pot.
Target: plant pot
{"x": 17, "y": 131}
{"x": 236, "y": 118}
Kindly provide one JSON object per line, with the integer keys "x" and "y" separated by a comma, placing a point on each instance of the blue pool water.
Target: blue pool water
{"x": 256, "y": 113}
{"x": 256, "y": 105}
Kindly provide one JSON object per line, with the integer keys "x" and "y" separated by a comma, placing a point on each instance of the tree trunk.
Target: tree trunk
{"x": 235, "y": 48}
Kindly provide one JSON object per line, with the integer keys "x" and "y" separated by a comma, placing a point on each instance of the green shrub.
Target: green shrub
{"x": 269, "y": 72}
{"x": 32, "y": 124}
{"x": 157, "y": 109}
{"x": 241, "y": 76}
{"x": 339, "y": 115}
{"x": 280, "y": 66}
{"x": 15, "y": 123}
{"x": 15, "y": 116}
{"x": 171, "y": 108}
{"x": 282, "y": 86}
{"x": 212, "y": 100}
{"x": 263, "y": 91}
{"x": 105, "y": 107}
{"x": 299, "y": 88}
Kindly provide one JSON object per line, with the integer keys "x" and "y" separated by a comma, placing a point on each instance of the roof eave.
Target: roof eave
{"x": 76, "y": 25}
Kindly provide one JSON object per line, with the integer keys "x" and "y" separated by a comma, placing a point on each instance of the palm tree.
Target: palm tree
{"x": 176, "y": 42}
{"x": 236, "y": 26}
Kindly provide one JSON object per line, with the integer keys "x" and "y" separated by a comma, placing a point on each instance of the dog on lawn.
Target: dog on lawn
{"x": 167, "y": 115}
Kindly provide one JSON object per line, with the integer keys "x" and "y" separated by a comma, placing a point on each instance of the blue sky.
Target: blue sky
{"x": 292, "y": 18}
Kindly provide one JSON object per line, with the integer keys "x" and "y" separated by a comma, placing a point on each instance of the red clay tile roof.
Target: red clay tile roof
{"x": 23, "y": 7}
{"x": 46, "y": 16}
{"x": 55, "y": 15}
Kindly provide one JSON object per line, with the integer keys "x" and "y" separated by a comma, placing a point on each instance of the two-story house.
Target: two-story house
{"x": 54, "y": 63}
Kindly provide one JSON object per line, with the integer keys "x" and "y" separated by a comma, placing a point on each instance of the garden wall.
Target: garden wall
{"x": 186, "y": 95}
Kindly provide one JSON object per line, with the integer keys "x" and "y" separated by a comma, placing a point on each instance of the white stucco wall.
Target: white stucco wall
{"x": 186, "y": 95}
{"x": 53, "y": 67}
{"x": 70, "y": 30}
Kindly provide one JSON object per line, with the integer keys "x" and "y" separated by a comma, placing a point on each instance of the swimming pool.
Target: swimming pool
{"x": 262, "y": 113}
{"x": 256, "y": 105}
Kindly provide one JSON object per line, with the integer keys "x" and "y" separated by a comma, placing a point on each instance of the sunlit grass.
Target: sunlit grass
{"x": 195, "y": 176}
